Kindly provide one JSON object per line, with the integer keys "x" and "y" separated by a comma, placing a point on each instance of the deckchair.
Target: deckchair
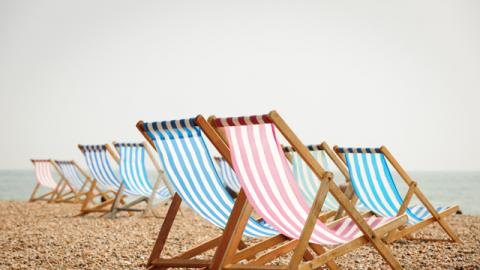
{"x": 375, "y": 187}
{"x": 133, "y": 172}
{"x": 105, "y": 179}
{"x": 76, "y": 177}
{"x": 43, "y": 176}
{"x": 269, "y": 185}
{"x": 191, "y": 171}
{"x": 308, "y": 182}
{"x": 228, "y": 176}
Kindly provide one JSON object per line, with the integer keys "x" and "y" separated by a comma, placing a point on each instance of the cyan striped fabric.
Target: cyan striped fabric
{"x": 309, "y": 183}
{"x": 70, "y": 172}
{"x": 228, "y": 175}
{"x": 98, "y": 164}
{"x": 374, "y": 185}
{"x": 134, "y": 173}
{"x": 191, "y": 170}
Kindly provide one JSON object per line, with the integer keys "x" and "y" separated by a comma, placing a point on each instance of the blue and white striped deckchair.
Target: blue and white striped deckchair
{"x": 227, "y": 174}
{"x": 100, "y": 168}
{"x": 98, "y": 164}
{"x": 69, "y": 171}
{"x": 134, "y": 175}
{"x": 375, "y": 187}
{"x": 133, "y": 171}
{"x": 191, "y": 171}
{"x": 306, "y": 179}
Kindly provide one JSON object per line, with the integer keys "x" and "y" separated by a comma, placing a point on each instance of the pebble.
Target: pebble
{"x": 48, "y": 236}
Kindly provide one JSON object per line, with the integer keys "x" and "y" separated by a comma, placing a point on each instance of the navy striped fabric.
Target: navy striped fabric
{"x": 134, "y": 173}
{"x": 99, "y": 166}
{"x": 229, "y": 177}
{"x": 191, "y": 170}
{"x": 374, "y": 185}
{"x": 70, "y": 172}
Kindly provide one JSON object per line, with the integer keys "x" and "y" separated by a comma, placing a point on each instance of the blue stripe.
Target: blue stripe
{"x": 416, "y": 213}
{"x": 134, "y": 173}
{"x": 206, "y": 188}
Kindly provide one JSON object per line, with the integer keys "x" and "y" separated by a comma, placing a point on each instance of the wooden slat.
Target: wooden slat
{"x": 255, "y": 249}
{"x": 165, "y": 229}
{"x": 190, "y": 263}
{"x": 334, "y": 190}
{"x": 419, "y": 194}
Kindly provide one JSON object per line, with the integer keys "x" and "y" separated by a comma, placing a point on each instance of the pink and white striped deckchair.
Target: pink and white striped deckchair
{"x": 269, "y": 185}
{"x": 44, "y": 178}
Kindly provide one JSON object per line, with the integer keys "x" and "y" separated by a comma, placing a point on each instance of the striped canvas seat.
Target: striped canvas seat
{"x": 308, "y": 182}
{"x": 134, "y": 172}
{"x": 43, "y": 173}
{"x": 228, "y": 176}
{"x": 70, "y": 172}
{"x": 191, "y": 170}
{"x": 374, "y": 185}
{"x": 98, "y": 164}
{"x": 268, "y": 181}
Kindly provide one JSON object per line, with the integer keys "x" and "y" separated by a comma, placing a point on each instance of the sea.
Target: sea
{"x": 442, "y": 188}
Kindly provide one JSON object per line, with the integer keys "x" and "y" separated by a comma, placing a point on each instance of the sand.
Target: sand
{"x": 47, "y": 236}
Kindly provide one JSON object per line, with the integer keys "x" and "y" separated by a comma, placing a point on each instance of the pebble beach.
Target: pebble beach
{"x": 48, "y": 236}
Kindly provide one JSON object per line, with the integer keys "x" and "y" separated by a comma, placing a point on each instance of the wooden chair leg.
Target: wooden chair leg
{"x": 35, "y": 189}
{"x": 319, "y": 250}
{"x": 165, "y": 229}
{"x": 232, "y": 234}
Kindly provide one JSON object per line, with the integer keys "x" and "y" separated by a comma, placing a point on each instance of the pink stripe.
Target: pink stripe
{"x": 270, "y": 152}
{"x": 273, "y": 215}
{"x": 239, "y": 157}
{"x": 43, "y": 174}
{"x": 275, "y": 198}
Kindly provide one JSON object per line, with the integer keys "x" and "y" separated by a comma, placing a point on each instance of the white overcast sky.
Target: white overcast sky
{"x": 405, "y": 74}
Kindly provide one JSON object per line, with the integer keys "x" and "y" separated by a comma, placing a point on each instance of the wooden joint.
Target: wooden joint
{"x": 327, "y": 176}
{"x": 413, "y": 184}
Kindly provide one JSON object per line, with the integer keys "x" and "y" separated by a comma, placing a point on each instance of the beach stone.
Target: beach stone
{"x": 48, "y": 236}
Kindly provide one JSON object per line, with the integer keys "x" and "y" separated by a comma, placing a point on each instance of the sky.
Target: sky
{"x": 405, "y": 74}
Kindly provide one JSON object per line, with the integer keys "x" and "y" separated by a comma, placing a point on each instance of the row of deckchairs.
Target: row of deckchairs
{"x": 279, "y": 195}
{"x": 107, "y": 192}
{"x": 70, "y": 188}
{"x": 266, "y": 184}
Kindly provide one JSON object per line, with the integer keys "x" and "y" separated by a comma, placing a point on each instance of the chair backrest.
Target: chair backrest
{"x": 267, "y": 179}
{"x": 191, "y": 171}
{"x": 98, "y": 164}
{"x": 373, "y": 182}
{"x": 228, "y": 175}
{"x": 133, "y": 171}
{"x": 70, "y": 172}
{"x": 306, "y": 179}
{"x": 43, "y": 173}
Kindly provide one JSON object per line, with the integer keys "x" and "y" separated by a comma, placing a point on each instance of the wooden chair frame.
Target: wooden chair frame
{"x": 75, "y": 196}
{"x": 51, "y": 195}
{"x": 413, "y": 189}
{"x": 349, "y": 192}
{"x": 229, "y": 247}
{"x": 187, "y": 258}
{"x": 227, "y": 256}
{"x": 148, "y": 200}
{"x": 107, "y": 197}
